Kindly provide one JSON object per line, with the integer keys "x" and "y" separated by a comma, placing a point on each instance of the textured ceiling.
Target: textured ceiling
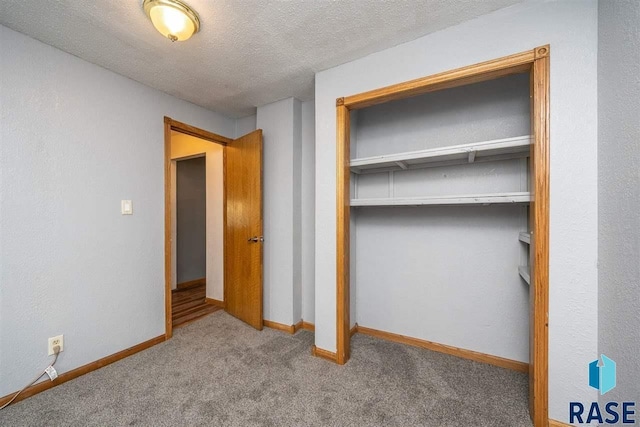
{"x": 248, "y": 52}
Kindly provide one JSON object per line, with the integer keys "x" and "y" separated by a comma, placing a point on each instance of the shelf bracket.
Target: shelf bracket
{"x": 402, "y": 165}
{"x": 525, "y": 274}
{"x": 472, "y": 156}
{"x": 355, "y": 186}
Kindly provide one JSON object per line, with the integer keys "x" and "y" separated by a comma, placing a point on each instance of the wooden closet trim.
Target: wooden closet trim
{"x": 489, "y": 70}
{"x": 343, "y": 249}
{"x": 534, "y": 61}
{"x": 539, "y": 249}
{"x": 174, "y": 125}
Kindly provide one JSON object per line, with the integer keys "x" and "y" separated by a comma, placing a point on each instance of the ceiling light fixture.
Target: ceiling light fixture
{"x": 172, "y": 18}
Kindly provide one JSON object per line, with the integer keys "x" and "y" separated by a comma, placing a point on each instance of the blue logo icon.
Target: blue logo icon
{"x": 602, "y": 376}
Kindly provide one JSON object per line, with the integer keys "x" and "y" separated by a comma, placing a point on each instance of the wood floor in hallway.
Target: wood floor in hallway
{"x": 189, "y": 304}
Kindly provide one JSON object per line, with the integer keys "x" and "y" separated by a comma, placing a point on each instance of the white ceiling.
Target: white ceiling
{"x": 248, "y": 52}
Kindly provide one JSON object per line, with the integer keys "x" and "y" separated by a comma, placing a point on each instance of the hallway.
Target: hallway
{"x": 189, "y": 304}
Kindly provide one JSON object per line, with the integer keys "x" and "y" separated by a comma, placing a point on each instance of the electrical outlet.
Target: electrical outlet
{"x": 56, "y": 341}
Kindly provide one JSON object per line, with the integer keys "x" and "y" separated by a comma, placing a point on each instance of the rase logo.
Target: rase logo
{"x": 602, "y": 377}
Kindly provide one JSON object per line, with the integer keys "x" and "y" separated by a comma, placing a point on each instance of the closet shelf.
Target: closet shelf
{"x": 525, "y": 237}
{"x": 497, "y": 149}
{"x": 524, "y": 273}
{"x": 472, "y": 199}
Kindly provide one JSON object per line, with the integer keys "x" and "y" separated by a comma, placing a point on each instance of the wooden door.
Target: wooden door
{"x": 243, "y": 232}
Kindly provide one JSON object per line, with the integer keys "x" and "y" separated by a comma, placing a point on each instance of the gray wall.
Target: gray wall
{"x": 245, "y": 125}
{"x": 571, "y": 28}
{"x": 297, "y": 211}
{"x": 481, "y": 112}
{"x": 445, "y": 274}
{"x": 619, "y": 192}
{"x": 289, "y": 131}
{"x": 308, "y": 201}
{"x": 282, "y": 157}
{"x": 191, "y": 219}
{"x": 76, "y": 139}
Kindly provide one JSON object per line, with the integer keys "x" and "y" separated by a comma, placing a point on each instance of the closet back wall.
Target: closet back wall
{"x": 444, "y": 274}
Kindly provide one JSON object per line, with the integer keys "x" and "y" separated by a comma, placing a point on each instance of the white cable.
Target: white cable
{"x": 32, "y": 382}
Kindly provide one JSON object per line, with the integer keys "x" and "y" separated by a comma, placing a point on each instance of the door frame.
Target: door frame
{"x": 174, "y": 125}
{"x": 535, "y": 62}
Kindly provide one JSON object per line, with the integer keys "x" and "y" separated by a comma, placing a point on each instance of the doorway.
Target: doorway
{"x": 189, "y": 233}
{"x": 197, "y": 227}
{"x": 232, "y": 231}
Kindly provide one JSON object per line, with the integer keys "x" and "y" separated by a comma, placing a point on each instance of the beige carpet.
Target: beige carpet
{"x": 220, "y": 372}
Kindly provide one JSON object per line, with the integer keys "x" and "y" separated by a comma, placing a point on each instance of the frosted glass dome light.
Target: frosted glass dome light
{"x": 172, "y": 18}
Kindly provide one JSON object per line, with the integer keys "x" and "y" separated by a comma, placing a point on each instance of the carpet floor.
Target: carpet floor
{"x": 220, "y": 372}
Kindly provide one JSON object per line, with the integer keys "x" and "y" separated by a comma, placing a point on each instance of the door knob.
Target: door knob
{"x": 255, "y": 239}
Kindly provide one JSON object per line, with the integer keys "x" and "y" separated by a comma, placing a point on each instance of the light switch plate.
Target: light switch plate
{"x": 126, "y": 207}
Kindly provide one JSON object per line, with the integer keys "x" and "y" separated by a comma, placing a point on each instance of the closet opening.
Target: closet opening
{"x": 442, "y": 216}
